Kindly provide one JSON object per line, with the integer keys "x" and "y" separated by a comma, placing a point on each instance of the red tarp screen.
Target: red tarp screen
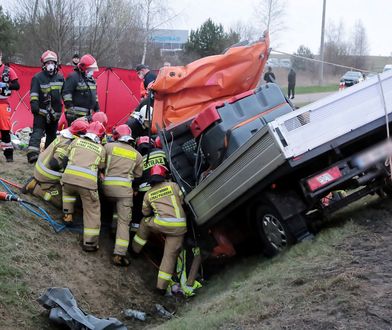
{"x": 182, "y": 92}
{"x": 118, "y": 94}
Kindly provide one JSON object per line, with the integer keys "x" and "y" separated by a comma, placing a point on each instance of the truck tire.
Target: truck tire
{"x": 272, "y": 230}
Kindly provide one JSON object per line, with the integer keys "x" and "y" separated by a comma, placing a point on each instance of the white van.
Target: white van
{"x": 387, "y": 67}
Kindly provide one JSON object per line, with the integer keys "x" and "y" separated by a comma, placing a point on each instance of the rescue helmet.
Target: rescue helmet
{"x": 78, "y": 127}
{"x": 96, "y": 128}
{"x": 87, "y": 62}
{"x": 144, "y": 113}
{"x": 122, "y": 133}
{"x": 101, "y": 117}
{"x": 145, "y": 140}
{"x": 49, "y": 55}
{"x": 158, "y": 173}
{"x": 158, "y": 142}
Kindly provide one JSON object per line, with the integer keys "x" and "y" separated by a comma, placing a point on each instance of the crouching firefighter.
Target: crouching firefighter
{"x": 80, "y": 178}
{"x": 8, "y": 82}
{"x": 46, "y": 106}
{"x": 48, "y": 169}
{"x": 163, "y": 213}
{"x": 123, "y": 164}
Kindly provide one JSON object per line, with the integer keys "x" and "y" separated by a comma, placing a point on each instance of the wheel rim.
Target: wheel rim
{"x": 274, "y": 231}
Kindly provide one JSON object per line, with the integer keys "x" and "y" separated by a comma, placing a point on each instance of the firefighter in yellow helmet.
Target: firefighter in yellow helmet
{"x": 80, "y": 178}
{"x": 163, "y": 213}
{"x": 49, "y": 167}
{"x": 123, "y": 164}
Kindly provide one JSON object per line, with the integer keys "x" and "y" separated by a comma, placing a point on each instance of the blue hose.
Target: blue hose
{"x": 38, "y": 211}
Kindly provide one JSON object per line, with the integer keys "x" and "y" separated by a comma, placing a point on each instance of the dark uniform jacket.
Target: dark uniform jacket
{"x": 148, "y": 78}
{"x": 45, "y": 92}
{"x": 80, "y": 93}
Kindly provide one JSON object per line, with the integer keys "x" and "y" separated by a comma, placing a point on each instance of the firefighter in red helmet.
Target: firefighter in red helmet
{"x": 80, "y": 90}
{"x": 86, "y": 156}
{"x": 8, "y": 82}
{"x": 123, "y": 165}
{"x": 46, "y": 106}
{"x": 163, "y": 213}
{"x": 50, "y": 164}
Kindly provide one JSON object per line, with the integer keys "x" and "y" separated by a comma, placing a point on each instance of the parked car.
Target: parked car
{"x": 285, "y": 63}
{"x": 387, "y": 67}
{"x": 351, "y": 78}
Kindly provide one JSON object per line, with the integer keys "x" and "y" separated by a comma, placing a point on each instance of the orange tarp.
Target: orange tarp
{"x": 182, "y": 92}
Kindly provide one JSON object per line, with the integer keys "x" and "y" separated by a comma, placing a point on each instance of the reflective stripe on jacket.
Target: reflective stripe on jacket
{"x": 164, "y": 201}
{"x": 85, "y": 158}
{"x": 42, "y": 170}
{"x": 123, "y": 164}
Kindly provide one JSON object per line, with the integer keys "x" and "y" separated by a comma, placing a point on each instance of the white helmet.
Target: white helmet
{"x": 144, "y": 113}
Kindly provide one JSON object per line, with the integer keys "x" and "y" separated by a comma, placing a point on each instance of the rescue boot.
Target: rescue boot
{"x": 89, "y": 248}
{"x": 32, "y": 157}
{"x": 9, "y": 155}
{"x": 29, "y": 186}
{"x": 68, "y": 218}
{"x": 118, "y": 260}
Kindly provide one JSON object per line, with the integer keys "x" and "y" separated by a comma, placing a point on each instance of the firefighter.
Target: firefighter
{"x": 140, "y": 119}
{"x": 163, "y": 214}
{"x": 85, "y": 157}
{"x": 48, "y": 169}
{"x": 46, "y": 106}
{"x": 8, "y": 82}
{"x": 151, "y": 156}
{"x": 123, "y": 164}
{"x": 80, "y": 90}
{"x": 101, "y": 117}
{"x": 146, "y": 75}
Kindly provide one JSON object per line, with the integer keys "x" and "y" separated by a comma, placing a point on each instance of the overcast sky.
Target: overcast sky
{"x": 303, "y": 19}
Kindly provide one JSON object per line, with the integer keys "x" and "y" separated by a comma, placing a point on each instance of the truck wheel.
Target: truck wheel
{"x": 273, "y": 231}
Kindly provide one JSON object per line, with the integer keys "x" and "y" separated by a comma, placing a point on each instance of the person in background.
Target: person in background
{"x": 291, "y": 86}
{"x": 269, "y": 76}
{"x": 146, "y": 75}
{"x": 75, "y": 60}
{"x": 46, "y": 105}
{"x": 8, "y": 83}
{"x": 80, "y": 90}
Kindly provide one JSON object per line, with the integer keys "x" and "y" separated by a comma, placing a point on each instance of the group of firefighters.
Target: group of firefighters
{"x": 82, "y": 163}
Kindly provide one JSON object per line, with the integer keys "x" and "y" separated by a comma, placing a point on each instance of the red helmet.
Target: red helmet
{"x": 158, "y": 142}
{"x": 49, "y": 55}
{"x": 159, "y": 170}
{"x": 87, "y": 62}
{"x": 101, "y": 117}
{"x": 78, "y": 127}
{"x": 96, "y": 128}
{"x": 122, "y": 133}
{"x": 145, "y": 140}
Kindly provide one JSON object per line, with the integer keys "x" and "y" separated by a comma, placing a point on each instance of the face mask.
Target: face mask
{"x": 140, "y": 75}
{"x": 89, "y": 74}
{"x": 50, "y": 67}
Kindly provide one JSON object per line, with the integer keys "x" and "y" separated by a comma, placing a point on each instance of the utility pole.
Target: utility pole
{"x": 321, "y": 76}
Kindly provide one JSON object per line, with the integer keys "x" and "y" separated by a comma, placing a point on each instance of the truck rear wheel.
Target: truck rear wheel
{"x": 272, "y": 230}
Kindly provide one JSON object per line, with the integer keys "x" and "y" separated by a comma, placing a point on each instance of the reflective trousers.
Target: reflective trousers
{"x": 124, "y": 218}
{"x": 173, "y": 245}
{"x": 51, "y": 192}
{"x": 41, "y": 127}
{"x": 91, "y": 211}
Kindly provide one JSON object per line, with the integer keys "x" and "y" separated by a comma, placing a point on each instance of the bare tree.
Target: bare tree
{"x": 360, "y": 45}
{"x": 270, "y": 15}
{"x": 245, "y": 31}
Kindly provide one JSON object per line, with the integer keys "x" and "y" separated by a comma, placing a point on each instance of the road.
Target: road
{"x": 302, "y": 99}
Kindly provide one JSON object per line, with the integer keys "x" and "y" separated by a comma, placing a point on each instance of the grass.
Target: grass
{"x": 314, "y": 89}
{"x": 258, "y": 289}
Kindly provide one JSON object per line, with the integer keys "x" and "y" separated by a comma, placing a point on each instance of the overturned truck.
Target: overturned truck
{"x": 251, "y": 165}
